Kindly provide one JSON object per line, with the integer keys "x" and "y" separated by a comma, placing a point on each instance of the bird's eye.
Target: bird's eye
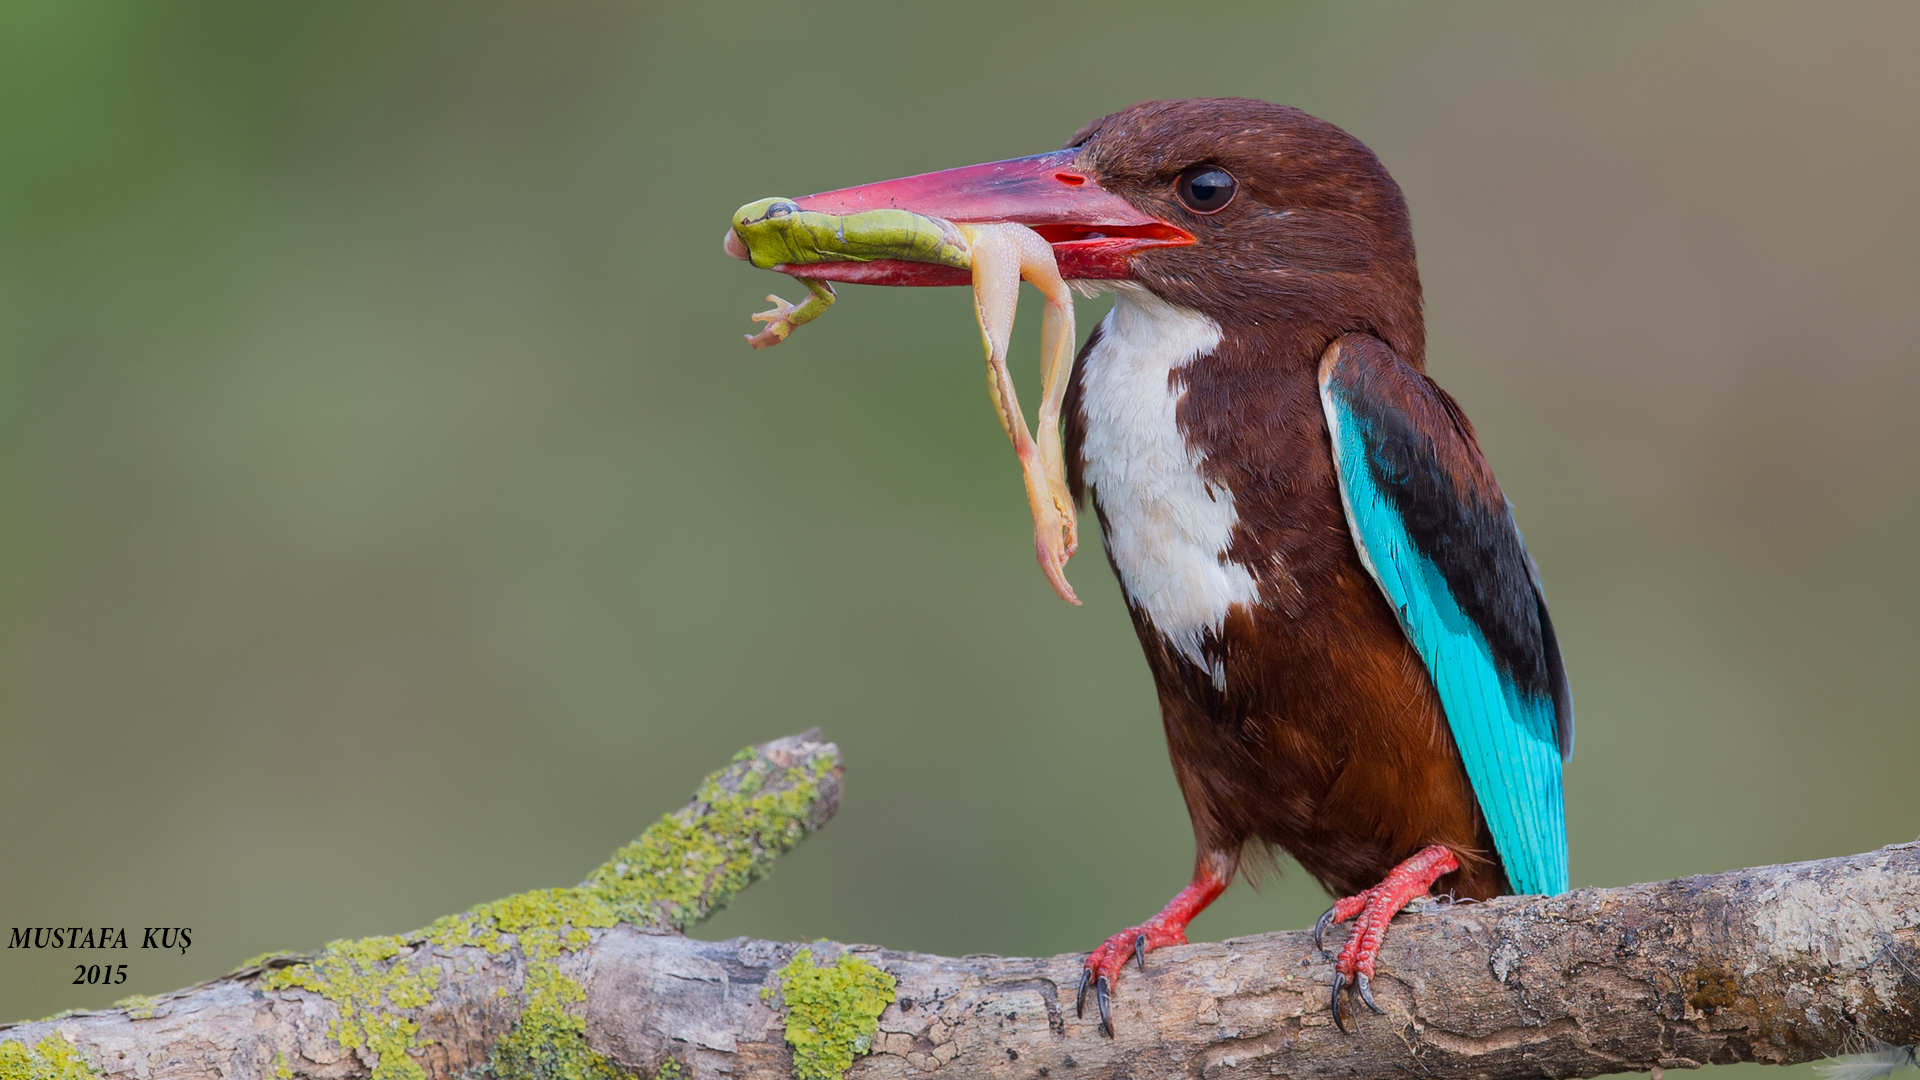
{"x": 1205, "y": 189}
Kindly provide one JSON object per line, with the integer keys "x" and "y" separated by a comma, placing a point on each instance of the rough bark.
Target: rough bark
{"x": 1776, "y": 964}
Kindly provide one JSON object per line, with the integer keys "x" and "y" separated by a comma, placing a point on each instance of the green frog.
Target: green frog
{"x": 778, "y": 232}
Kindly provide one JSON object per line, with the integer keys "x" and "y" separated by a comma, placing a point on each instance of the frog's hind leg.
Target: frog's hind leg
{"x": 1056, "y": 369}
{"x": 1001, "y": 254}
{"x": 784, "y": 316}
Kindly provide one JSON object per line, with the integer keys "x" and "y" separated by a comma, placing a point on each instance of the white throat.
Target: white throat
{"x": 1167, "y": 527}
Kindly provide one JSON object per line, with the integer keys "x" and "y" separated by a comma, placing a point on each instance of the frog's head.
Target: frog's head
{"x": 764, "y": 215}
{"x": 766, "y": 231}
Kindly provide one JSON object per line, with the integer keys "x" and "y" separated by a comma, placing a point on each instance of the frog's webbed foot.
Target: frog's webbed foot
{"x": 779, "y": 323}
{"x": 784, "y": 316}
{"x": 1002, "y": 255}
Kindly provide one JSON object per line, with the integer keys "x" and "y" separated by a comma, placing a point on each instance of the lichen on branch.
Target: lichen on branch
{"x": 372, "y": 984}
{"x": 1775, "y": 964}
{"x": 683, "y": 868}
{"x": 52, "y": 1058}
{"x": 833, "y": 1011}
{"x": 692, "y": 863}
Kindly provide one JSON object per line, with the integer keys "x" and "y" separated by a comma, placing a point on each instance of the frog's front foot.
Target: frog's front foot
{"x": 779, "y": 323}
{"x": 784, "y": 316}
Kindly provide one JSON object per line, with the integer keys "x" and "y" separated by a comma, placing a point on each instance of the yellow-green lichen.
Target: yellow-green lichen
{"x": 368, "y": 980}
{"x": 832, "y": 1012}
{"x": 692, "y": 863}
{"x": 549, "y": 1042}
{"x": 682, "y": 869}
{"x": 542, "y": 910}
{"x": 52, "y": 1058}
{"x": 138, "y": 1006}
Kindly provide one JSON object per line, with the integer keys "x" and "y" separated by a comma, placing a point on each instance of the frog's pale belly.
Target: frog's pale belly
{"x": 1167, "y": 527}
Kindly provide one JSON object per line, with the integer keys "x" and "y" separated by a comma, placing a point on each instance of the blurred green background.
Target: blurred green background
{"x": 393, "y": 519}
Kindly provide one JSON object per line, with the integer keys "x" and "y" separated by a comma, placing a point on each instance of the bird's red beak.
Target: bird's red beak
{"x": 1093, "y": 231}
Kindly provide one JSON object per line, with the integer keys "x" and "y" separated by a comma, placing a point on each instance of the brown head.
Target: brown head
{"x": 1307, "y": 231}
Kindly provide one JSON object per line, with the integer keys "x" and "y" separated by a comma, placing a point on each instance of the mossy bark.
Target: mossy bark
{"x": 1778, "y": 964}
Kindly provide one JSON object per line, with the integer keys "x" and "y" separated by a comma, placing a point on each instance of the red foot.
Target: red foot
{"x": 1103, "y": 965}
{"x": 1376, "y": 908}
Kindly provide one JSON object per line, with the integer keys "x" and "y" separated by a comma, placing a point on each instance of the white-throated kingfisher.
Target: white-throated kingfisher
{"x": 1350, "y": 644}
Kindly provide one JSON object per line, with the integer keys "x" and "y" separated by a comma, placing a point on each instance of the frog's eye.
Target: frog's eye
{"x": 1205, "y": 189}
{"x": 782, "y": 209}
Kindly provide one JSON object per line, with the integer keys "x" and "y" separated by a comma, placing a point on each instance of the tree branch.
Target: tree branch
{"x": 1777, "y": 964}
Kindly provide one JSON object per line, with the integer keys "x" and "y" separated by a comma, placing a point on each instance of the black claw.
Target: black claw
{"x": 1080, "y": 1000}
{"x": 1140, "y": 951}
{"x": 1366, "y": 993}
{"x": 1339, "y": 983}
{"x": 1320, "y": 929}
{"x": 1103, "y": 994}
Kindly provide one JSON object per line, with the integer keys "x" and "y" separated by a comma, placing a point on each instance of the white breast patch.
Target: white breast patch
{"x": 1168, "y": 528}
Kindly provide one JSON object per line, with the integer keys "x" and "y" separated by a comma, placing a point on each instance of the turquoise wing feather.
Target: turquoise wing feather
{"x": 1439, "y": 538}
